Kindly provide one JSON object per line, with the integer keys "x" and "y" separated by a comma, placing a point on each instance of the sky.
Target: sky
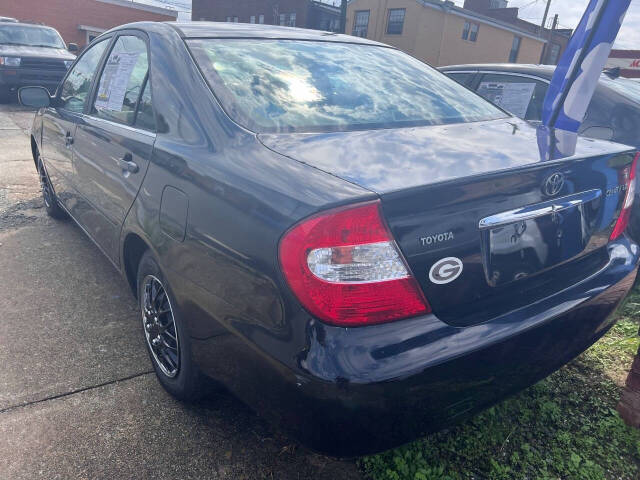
{"x": 570, "y": 12}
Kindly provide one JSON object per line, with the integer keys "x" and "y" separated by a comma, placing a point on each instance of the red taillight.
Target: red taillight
{"x": 625, "y": 213}
{"x": 345, "y": 268}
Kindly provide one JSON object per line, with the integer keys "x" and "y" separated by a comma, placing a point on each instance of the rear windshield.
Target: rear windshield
{"x": 294, "y": 85}
{"x": 30, "y": 36}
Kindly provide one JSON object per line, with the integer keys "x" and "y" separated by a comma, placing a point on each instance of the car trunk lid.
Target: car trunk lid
{"x": 478, "y": 197}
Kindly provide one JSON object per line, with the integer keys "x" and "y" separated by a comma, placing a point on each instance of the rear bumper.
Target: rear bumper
{"x": 361, "y": 390}
{"x": 14, "y": 78}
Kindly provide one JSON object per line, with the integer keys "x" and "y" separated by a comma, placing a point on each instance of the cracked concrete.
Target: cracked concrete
{"x": 76, "y": 396}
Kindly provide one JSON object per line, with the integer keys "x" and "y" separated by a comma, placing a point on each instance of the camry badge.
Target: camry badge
{"x": 445, "y": 270}
{"x": 553, "y": 184}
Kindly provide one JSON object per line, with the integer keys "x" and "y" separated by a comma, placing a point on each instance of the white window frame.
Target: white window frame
{"x": 358, "y": 29}
{"x": 389, "y": 13}
{"x": 90, "y": 31}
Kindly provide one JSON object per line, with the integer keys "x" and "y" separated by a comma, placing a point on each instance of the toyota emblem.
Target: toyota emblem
{"x": 553, "y": 184}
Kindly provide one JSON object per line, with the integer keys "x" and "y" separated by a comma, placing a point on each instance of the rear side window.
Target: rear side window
{"x": 463, "y": 78}
{"x": 122, "y": 80}
{"x": 77, "y": 84}
{"x": 626, "y": 87}
{"x": 521, "y": 96}
{"x": 293, "y": 85}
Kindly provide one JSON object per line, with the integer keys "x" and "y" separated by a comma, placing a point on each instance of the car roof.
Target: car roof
{"x": 251, "y": 30}
{"x": 22, "y": 24}
{"x": 545, "y": 71}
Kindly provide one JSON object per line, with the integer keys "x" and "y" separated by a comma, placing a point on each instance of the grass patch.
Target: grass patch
{"x": 564, "y": 427}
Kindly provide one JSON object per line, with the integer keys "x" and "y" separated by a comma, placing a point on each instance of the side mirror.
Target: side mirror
{"x": 73, "y": 47}
{"x": 37, "y": 97}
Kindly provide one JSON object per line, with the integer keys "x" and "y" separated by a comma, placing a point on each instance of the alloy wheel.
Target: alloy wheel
{"x": 45, "y": 186}
{"x": 159, "y": 326}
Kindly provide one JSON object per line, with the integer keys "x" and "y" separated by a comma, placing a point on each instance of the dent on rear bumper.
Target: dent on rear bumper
{"x": 361, "y": 390}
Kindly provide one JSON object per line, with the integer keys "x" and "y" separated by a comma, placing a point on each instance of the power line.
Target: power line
{"x": 528, "y": 4}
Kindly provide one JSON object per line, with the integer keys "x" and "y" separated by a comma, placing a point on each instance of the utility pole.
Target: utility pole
{"x": 544, "y": 59}
{"x": 343, "y": 16}
{"x": 544, "y": 18}
{"x": 545, "y": 47}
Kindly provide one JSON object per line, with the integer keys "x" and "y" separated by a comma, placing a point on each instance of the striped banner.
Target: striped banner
{"x": 578, "y": 72}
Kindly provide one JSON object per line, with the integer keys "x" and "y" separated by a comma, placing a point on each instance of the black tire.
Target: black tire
{"x": 51, "y": 204}
{"x": 187, "y": 383}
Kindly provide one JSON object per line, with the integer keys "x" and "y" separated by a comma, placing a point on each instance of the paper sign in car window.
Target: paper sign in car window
{"x": 513, "y": 97}
{"x": 114, "y": 80}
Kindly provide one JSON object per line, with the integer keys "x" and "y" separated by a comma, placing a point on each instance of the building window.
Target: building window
{"x": 261, "y": 19}
{"x": 515, "y": 49}
{"x": 554, "y": 54}
{"x": 283, "y": 19}
{"x": 470, "y": 31}
{"x": 252, "y": 19}
{"x": 292, "y": 20}
{"x": 395, "y": 21}
{"x": 91, "y": 33}
{"x": 360, "y": 23}
{"x": 233, "y": 19}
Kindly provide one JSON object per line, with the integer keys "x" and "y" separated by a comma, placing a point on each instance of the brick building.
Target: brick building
{"x": 79, "y": 21}
{"x": 293, "y": 13}
{"x": 557, "y": 38}
{"x": 441, "y": 33}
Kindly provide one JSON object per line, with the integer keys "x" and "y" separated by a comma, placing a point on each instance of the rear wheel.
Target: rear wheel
{"x": 48, "y": 195}
{"x": 166, "y": 337}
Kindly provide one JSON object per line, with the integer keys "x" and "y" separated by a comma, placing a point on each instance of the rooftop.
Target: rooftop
{"x": 154, "y": 6}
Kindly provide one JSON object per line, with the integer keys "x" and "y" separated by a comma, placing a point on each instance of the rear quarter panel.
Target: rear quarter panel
{"x": 241, "y": 198}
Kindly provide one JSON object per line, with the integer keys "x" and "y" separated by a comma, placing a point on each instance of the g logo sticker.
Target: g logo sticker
{"x": 445, "y": 270}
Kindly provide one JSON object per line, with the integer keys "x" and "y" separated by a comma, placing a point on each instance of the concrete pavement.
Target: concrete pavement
{"x": 77, "y": 399}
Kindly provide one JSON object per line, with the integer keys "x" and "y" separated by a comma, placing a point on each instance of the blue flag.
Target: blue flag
{"x": 578, "y": 72}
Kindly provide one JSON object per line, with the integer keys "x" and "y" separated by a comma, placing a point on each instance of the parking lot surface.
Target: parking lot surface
{"x": 77, "y": 395}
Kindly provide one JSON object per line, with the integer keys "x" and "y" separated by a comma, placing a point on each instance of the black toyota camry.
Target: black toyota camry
{"x": 352, "y": 243}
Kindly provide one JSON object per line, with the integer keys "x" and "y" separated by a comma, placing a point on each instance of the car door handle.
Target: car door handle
{"x": 128, "y": 165}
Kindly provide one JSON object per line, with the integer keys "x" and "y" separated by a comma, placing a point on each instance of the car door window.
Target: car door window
{"x": 77, "y": 84}
{"x": 521, "y": 96}
{"x": 145, "y": 118}
{"x": 122, "y": 80}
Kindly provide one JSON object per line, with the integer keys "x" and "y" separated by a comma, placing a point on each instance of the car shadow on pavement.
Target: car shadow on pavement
{"x": 80, "y": 401}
